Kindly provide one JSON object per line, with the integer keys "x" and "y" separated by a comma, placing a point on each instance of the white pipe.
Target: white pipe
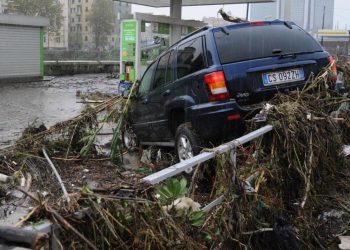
{"x": 65, "y": 193}
{"x": 192, "y": 162}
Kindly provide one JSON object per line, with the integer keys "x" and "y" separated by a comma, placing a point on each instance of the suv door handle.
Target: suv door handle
{"x": 145, "y": 101}
{"x": 167, "y": 92}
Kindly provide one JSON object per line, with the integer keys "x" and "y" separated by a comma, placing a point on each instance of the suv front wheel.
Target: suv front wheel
{"x": 129, "y": 138}
{"x": 187, "y": 142}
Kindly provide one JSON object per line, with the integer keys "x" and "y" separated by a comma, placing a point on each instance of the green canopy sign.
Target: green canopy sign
{"x": 129, "y": 35}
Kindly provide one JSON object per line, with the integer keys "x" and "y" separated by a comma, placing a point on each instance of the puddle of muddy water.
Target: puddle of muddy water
{"x": 50, "y": 102}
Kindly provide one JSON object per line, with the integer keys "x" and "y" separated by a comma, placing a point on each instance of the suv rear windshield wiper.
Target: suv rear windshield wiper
{"x": 290, "y": 54}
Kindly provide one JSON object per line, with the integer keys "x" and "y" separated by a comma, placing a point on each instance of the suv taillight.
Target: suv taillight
{"x": 216, "y": 84}
{"x": 333, "y": 67}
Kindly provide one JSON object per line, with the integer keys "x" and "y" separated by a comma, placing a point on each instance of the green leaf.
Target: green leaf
{"x": 206, "y": 236}
{"x": 99, "y": 200}
{"x": 143, "y": 170}
{"x": 197, "y": 218}
{"x": 172, "y": 190}
{"x": 85, "y": 189}
{"x": 34, "y": 225}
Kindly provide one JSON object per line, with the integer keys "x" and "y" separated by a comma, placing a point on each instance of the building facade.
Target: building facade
{"x": 59, "y": 39}
{"x": 3, "y": 7}
{"x": 306, "y": 13}
{"x": 79, "y": 28}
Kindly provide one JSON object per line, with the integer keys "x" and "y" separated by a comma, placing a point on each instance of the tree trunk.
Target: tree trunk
{"x": 24, "y": 238}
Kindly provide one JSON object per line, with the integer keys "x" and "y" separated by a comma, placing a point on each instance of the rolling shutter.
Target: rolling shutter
{"x": 19, "y": 51}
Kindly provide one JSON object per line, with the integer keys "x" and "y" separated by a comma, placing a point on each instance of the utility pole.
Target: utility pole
{"x": 324, "y": 13}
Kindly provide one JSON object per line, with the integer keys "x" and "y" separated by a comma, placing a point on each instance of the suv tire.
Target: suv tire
{"x": 187, "y": 142}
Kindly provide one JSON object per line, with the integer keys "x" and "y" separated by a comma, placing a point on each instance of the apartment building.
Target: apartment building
{"x": 3, "y": 7}
{"x": 59, "y": 39}
{"x": 79, "y": 26}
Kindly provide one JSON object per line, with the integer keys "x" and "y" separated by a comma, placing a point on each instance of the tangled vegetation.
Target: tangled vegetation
{"x": 289, "y": 189}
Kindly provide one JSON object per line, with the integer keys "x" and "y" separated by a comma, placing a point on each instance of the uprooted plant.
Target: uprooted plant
{"x": 278, "y": 196}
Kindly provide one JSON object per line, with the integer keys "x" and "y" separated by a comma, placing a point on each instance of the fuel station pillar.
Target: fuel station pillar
{"x": 175, "y": 12}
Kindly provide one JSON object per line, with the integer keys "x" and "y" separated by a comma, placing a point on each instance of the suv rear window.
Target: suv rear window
{"x": 252, "y": 42}
{"x": 190, "y": 57}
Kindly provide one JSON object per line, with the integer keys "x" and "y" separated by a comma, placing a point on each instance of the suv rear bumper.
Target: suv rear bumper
{"x": 219, "y": 120}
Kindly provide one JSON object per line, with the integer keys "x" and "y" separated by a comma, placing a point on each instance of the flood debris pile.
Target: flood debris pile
{"x": 288, "y": 190}
{"x": 300, "y": 176}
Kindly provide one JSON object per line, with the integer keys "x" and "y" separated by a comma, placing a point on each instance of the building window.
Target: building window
{"x": 86, "y": 39}
{"x": 72, "y": 1}
{"x": 58, "y": 39}
{"x": 86, "y": 28}
{"x": 79, "y": 18}
{"x": 79, "y": 9}
{"x": 86, "y": 1}
{"x": 73, "y": 20}
{"x": 86, "y": 9}
{"x": 113, "y": 39}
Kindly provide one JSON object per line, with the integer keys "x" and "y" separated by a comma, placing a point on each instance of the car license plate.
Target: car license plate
{"x": 292, "y": 75}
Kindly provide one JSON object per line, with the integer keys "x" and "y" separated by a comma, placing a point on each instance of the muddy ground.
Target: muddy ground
{"x": 49, "y": 101}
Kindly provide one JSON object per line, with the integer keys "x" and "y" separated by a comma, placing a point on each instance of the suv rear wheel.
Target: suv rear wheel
{"x": 187, "y": 142}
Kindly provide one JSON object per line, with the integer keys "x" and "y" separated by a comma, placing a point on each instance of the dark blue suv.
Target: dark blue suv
{"x": 203, "y": 87}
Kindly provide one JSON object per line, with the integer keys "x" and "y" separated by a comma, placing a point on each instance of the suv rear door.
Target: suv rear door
{"x": 191, "y": 66}
{"x": 262, "y": 58}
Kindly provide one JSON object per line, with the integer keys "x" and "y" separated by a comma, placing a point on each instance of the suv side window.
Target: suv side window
{"x": 190, "y": 57}
{"x": 161, "y": 74}
{"x": 147, "y": 80}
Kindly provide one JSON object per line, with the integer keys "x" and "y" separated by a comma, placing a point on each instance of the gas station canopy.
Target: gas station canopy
{"x": 132, "y": 56}
{"x": 167, "y": 3}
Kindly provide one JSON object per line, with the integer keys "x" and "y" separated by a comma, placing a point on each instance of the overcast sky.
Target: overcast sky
{"x": 341, "y": 11}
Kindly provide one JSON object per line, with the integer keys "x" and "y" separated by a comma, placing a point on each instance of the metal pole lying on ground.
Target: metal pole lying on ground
{"x": 57, "y": 176}
{"x": 192, "y": 162}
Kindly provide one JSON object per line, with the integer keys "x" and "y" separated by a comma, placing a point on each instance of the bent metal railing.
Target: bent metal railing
{"x": 229, "y": 147}
{"x": 187, "y": 164}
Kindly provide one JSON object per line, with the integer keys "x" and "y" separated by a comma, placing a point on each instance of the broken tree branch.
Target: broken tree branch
{"x": 309, "y": 172}
{"x": 229, "y": 18}
{"x": 61, "y": 220}
{"x": 24, "y": 238}
{"x": 68, "y": 226}
{"x": 262, "y": 230}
